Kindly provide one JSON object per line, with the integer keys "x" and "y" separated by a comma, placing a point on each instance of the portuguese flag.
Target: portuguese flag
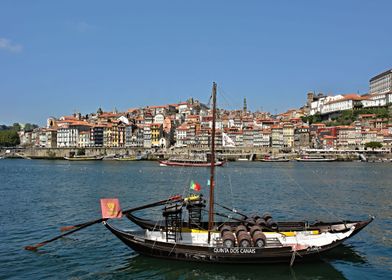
{"x": 195, "y": 186}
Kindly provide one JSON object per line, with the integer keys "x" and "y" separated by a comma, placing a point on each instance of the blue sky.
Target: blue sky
{"x": 60, "y": 57}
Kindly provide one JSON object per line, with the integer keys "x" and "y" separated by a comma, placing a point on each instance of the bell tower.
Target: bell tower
{"x": 245, "y": 106}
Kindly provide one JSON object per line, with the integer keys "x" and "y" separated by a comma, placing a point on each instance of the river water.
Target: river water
{"x": 38, "y": 197}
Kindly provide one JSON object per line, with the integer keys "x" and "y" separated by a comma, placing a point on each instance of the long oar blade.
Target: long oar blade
{"x": 67, "y": 228}
{"x": 36, "y": 246}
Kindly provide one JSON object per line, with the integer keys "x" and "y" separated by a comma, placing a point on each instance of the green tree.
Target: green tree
{"x": 30, "y": 127}
{"x": 9, "y": 138}
{"x": 16, "y": 126}
{"x": 81, "y": 152}
{"x": 3, "y": 127}
{"x": 316, "y": 118}
{"x": 373, "y": 145}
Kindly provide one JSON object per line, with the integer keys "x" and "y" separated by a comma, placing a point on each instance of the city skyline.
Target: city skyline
{"x": 65, "y": 57}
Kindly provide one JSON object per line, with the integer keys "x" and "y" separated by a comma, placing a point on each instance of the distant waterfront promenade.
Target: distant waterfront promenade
{"x": 230, "y": 154}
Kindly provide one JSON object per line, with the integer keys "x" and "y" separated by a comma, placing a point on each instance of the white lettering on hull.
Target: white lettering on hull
{"x": 234, "y": 250}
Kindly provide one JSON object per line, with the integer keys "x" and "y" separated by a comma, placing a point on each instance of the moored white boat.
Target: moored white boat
{"x": 83, "y": 158}
{"x": 315, "y": 159}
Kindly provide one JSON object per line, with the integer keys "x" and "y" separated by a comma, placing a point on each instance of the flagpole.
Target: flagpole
{"x": 212, "y": 182}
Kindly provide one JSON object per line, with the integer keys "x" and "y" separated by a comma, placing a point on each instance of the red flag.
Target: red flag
{"x": 110, "y": 208}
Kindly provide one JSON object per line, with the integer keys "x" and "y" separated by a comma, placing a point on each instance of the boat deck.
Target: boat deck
{"x": 273, "y": 239}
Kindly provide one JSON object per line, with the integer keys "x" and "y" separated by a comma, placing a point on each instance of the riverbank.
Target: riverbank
{"x": 227, "y": 154}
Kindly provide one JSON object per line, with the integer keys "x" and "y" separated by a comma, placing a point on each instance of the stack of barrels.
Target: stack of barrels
{"x": 264, "y": 221}
{"x": 248, "y": 234}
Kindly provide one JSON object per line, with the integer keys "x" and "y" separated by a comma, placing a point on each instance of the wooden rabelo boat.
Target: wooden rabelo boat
{"x": 241, "y": 240}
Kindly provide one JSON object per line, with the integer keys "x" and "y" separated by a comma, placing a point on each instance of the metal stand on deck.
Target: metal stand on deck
{"x": 173, "y": 221}
{"x": 194, "y": 208}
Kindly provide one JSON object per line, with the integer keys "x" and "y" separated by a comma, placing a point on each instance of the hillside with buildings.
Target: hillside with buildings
{"x": 343, "y": 121}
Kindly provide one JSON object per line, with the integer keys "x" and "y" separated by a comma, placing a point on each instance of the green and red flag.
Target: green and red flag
{"x": 195, "y": 186}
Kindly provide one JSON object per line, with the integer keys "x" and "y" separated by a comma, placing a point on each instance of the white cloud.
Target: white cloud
{"x": 8, "y": 45}
{"x": 83, "y": 26}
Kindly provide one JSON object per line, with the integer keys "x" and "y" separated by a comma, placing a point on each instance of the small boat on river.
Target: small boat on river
{"x": 315, "y": 159}
{"x": 129, "y": 158}
{"x": 83, "y": 158}
{"x": 243, "y": 159}
{"x": 274, "y": 159}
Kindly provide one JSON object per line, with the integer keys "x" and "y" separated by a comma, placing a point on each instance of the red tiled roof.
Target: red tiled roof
{"x": 367, "y": 115}
{"x": 184, "y": 126}
{"x": 345, "y": 127}
{"x": 80, "y": 123}
{"x": 109, "y": 115}
{"x": 318, "y": 124}
{"x": 157, "y": 107}
{"x": 69, "y": 118}
{"x": 351, "y": 96}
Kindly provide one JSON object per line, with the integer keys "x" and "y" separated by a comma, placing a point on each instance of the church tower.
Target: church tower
{"x": 245, "y": 106}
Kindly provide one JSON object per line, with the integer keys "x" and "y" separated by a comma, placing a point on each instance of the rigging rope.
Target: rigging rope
{"x": 231, "y": 189}
{"x": 311, "y": 197}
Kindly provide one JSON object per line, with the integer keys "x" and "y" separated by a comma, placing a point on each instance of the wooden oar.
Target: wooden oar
{"x": 78, "y": 227}
{"x": 36, "y": 246}
{"x": 173, "y": 198}
{"x": 232, "y": 210}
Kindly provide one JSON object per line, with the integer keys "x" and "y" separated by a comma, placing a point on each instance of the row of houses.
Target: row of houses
{"x": 348, "y": 137}
{"x": 195, "y": 131}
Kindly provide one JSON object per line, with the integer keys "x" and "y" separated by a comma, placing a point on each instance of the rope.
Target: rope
{"x": 231, "y": 191}
{"x": 173, "y": 248}
{"x": 223, "y": 94}
{"x": 311, "y": 197}
{"x": 325, "y": 183}
{"x": 292, "y": 258}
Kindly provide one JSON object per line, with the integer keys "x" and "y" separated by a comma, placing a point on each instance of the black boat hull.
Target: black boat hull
{"x": 251, "y": 255}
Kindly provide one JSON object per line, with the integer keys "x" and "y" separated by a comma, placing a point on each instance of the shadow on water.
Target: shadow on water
{"x": 141, "y": 267}
{"x": 345, "y": 253}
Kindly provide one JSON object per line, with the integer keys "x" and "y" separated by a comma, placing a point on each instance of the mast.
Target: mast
{"x": 212, "y": 181}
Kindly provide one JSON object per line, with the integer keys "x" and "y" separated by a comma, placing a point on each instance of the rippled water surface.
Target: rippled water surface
{"x": 38, "y": 197}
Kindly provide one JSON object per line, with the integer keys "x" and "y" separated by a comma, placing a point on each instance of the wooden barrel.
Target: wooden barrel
{"x": 228, "y": 239}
